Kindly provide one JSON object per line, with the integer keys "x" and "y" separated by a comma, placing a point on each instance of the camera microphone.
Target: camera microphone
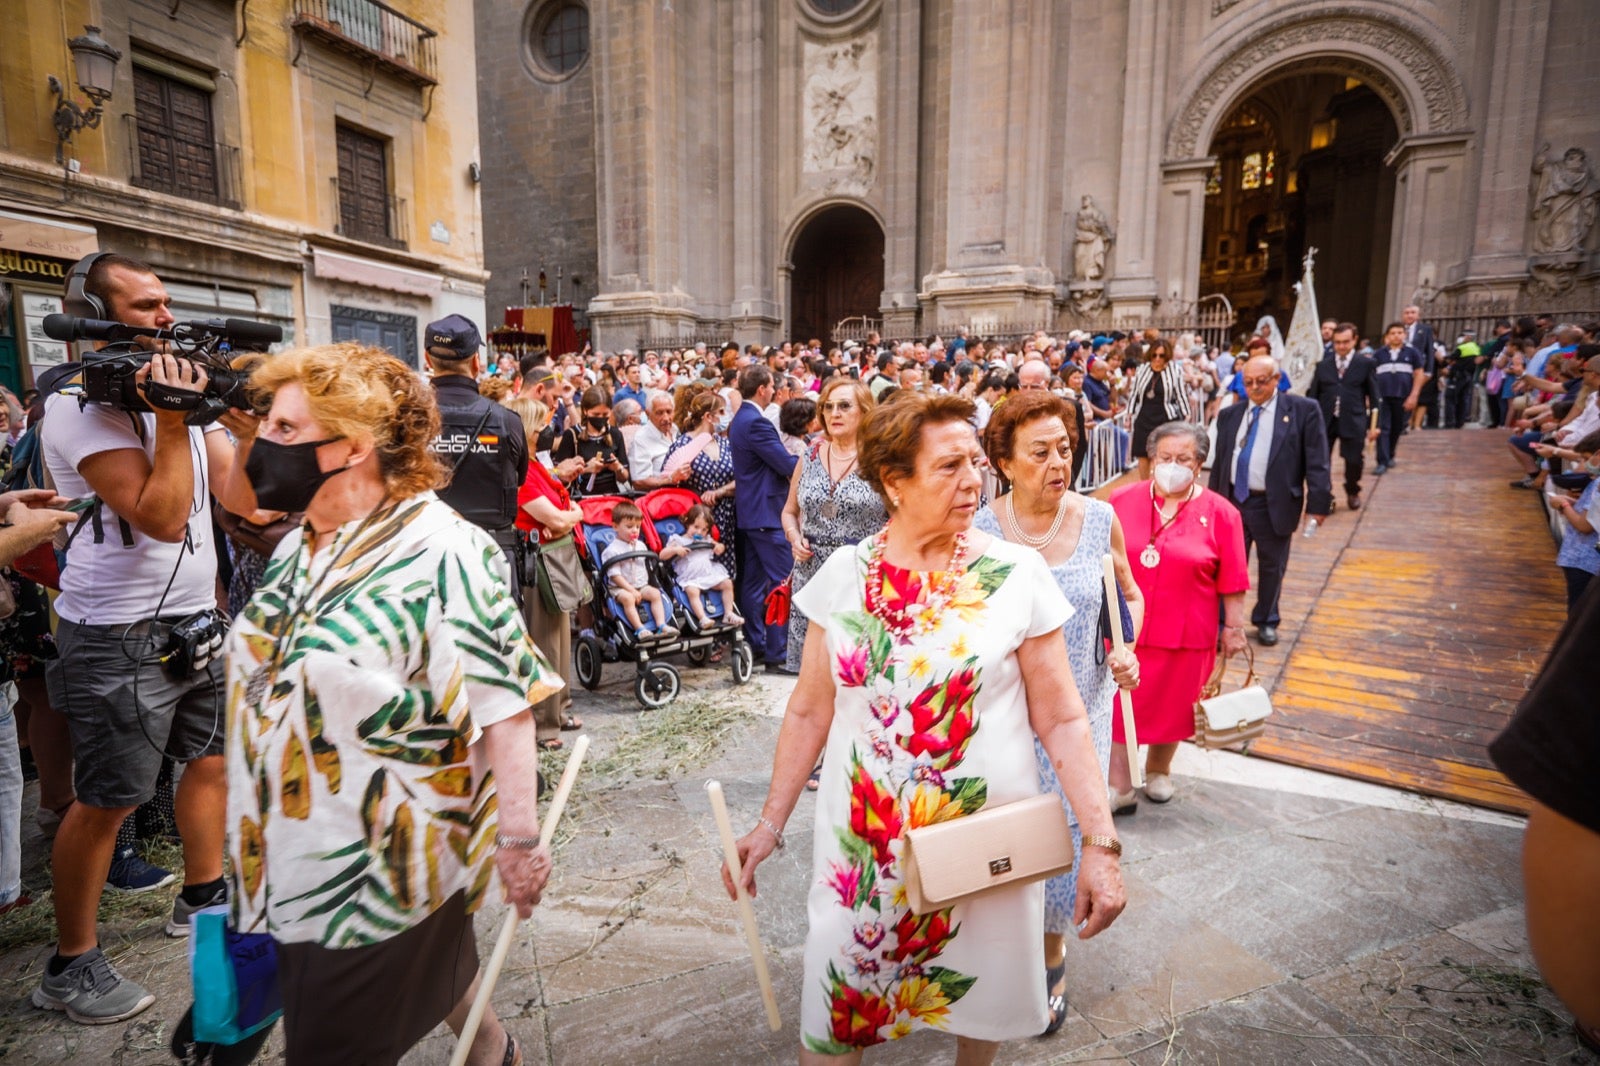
{"x": 71, "y": 328}
{"x": 244, "y": 333}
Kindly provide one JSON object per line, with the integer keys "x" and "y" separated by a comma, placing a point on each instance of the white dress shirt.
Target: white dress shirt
{"x": 647, "y": 451}
{"x": 1263, "y": 446}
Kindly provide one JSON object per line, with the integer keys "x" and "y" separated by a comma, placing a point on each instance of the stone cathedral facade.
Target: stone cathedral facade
{"x": 765, "y": 169}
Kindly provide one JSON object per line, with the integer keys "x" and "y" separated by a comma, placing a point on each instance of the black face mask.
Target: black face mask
{"x": 597, "y": 424}
{"x": 286, "y": 476}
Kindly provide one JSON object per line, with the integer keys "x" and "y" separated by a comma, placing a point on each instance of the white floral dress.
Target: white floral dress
{"x": 925, "y": 729}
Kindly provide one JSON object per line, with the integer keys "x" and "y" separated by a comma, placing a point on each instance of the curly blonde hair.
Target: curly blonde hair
{"x": 359, "y": 392}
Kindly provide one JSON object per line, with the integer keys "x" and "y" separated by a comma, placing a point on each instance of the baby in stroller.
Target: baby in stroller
{"x": 630, "y": 578}
{"x": 694, "y": 566}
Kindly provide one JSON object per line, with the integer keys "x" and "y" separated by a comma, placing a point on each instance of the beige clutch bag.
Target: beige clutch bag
{"x": 949, "y": 862}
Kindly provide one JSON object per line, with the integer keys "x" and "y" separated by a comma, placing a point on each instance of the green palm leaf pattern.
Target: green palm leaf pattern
{"x": 384, "y": 654}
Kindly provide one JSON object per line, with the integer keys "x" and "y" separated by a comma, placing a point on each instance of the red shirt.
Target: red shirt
{"x": 539, "y": 484}
{"x": 1202, "y": 559}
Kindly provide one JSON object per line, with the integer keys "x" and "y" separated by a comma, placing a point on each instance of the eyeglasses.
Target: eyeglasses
{"x": 841, "y": 406}
{"x": 1258, "y": 381}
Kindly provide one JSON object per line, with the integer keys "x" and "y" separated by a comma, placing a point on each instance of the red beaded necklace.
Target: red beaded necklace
{"x": 918, "y": 604}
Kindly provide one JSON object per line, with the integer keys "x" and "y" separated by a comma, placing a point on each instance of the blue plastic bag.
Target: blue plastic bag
{"x": 235, "y": 978}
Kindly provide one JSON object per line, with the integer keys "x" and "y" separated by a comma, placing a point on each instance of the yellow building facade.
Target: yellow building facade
{"x": 311, "y": 163}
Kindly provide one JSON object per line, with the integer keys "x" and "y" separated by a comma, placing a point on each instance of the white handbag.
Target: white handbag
{"x": 1221, "y": 719}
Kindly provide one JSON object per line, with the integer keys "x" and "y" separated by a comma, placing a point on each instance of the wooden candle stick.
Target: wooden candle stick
{"x": 508, "y": 929}
{"x": 747, "y": 912}
{"x": 1124, "y": 698}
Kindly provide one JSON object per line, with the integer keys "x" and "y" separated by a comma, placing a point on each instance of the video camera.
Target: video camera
{"x": 107, "y": 376}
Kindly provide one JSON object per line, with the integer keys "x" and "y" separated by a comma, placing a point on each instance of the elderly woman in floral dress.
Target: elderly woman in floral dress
{"x": 933, "y": 658}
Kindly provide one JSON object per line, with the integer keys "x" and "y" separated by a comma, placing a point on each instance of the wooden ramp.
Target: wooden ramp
{"x": 1413, "y": 627}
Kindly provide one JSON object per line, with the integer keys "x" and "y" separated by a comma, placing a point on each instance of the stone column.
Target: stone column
{"x": 900, "y": 99}
{"x": 1132, "y": 286}
{"x": 1510, "y": 141}
{"x": 997, "y": 150}
{"x": 1431, "y": 223}
{"x": 1180, "y": 219}
{"x": 636, "y": 106}
{"x": 757, "y": 316}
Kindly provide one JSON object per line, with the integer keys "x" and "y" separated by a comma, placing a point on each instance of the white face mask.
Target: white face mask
{"x": 1173, "y": 477}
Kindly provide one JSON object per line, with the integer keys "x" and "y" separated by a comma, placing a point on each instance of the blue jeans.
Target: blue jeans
{"x": 10, "y": 801}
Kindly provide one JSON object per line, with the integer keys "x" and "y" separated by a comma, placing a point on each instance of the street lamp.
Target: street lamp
{"x": 95, "y": 63}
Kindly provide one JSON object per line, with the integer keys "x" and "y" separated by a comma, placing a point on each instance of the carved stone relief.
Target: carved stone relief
{"x": 839, "y": 114}
{"x": 1443, "y": 96}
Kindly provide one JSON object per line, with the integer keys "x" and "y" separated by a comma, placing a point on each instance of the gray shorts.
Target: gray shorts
{"x": 125, "y": 714}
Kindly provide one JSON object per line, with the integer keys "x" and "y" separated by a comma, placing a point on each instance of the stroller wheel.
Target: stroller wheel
{"x": 586, "y": 661}
{"x": 657, "y": 685}
{"x": 744, "y": 662}
{"x": 698, "y": 656}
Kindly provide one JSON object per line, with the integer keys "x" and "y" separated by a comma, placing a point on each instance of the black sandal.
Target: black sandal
{"x": 814, "y": 782}
{"x": 513, "y": 1056}
{"x": 1055, "y": 977}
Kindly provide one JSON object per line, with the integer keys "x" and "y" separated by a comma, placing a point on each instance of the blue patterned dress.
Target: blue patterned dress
{"x": 706, "y": 474}
{"x": 860, "y": 514}
{"x": 1082, "y": 582}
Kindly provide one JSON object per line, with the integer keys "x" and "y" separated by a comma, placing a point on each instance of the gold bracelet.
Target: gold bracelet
{"x": 1111, "y": 844}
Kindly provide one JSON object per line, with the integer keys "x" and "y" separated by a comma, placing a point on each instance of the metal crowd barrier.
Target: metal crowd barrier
{"x": 1108, "y": 457}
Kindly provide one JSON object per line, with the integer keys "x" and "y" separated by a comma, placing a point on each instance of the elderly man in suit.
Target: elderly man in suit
{"x": 1345, "y": 383}
{"x": 762, "y": 468}
{"x": 1271, "y": 460}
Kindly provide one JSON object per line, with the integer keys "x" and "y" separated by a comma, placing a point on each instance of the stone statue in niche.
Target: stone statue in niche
{"x": 1564, "y": 204}
{"x": 1091, "y": 242}
{"x": 840, "y": 113}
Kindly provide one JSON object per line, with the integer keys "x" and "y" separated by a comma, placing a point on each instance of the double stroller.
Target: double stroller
{"x": 612, "y": 639}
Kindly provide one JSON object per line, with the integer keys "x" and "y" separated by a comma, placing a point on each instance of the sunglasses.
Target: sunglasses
{"x": 842, "y": 406}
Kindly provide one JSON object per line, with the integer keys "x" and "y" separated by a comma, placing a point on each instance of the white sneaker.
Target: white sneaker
{"x": 1158, "y": 787}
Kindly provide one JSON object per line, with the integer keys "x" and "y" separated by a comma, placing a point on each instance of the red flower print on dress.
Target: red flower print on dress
{"x": 874, "y": 814}
{"x": 857, "y": 1016}
{"x": 851, "y": 666}
{"x": 921, "y": 939}
{"x": 845, "y": 880}
{"x": 943, "y": 718}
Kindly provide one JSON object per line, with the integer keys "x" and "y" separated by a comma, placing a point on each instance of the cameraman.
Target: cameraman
{"x": 482, "y": 441}
{"x": 142, "y": 563}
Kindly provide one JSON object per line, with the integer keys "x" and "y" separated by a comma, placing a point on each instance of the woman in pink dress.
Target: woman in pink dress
{"x": 1186, "y": 549}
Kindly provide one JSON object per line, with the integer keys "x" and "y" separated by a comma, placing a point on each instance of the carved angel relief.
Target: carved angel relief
{"x": 839, "y": 117}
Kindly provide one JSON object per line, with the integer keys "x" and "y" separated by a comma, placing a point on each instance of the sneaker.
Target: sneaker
{"x": 91, "y": 991}
{"x": 129, "y": 873}
{"x": 178, "y": 924}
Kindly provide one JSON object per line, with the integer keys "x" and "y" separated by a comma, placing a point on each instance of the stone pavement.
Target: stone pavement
{"x": 1275, "y": 915}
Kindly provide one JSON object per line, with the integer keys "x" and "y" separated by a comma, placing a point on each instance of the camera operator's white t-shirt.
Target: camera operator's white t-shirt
{"x": 108, "y": 583}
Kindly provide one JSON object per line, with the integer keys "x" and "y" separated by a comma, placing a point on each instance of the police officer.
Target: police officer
{"x": 479, "y": 439}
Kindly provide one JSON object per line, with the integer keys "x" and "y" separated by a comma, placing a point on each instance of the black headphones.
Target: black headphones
{"x": 78, "y": 301}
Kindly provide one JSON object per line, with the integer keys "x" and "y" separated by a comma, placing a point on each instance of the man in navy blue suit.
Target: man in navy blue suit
{"x": 761, "y": 472}
{"x": 1271, "y": 460}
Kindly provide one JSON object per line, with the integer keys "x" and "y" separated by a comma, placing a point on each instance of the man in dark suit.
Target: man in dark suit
{"x": 1419, "y": 335}
{"x": 761, "y": 471}
{"x": 1345, "y": 383}
{"x": 1271, "y": 460}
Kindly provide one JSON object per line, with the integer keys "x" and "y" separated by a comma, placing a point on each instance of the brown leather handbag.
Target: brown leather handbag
{"x": 261, "y": 539}
{"x": 1222, "y": 720}
{"x": 1012, "y": 844}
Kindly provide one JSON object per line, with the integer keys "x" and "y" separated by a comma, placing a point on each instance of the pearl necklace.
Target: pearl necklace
{"x": 939, "y": 589}
{"x": 1036, "y": 543}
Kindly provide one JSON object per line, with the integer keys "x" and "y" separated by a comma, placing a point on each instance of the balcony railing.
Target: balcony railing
{"x": 160, "y": 162}
{"x": 370, "y": 30}
{"x": 376, "y": 221}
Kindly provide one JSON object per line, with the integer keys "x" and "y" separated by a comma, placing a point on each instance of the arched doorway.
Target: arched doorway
{"x": 1300, "y": 164}
{"x": 837, "y": 271}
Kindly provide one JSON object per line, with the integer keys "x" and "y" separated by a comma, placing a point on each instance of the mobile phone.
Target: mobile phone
{"x": 80, "y": 505}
